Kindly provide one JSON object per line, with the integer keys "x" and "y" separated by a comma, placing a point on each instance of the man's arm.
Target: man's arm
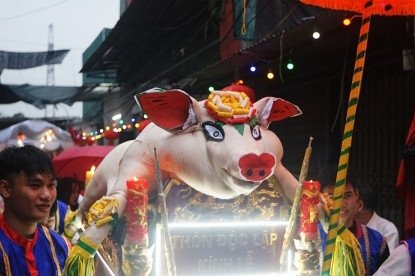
{"x": 398, "y": 263}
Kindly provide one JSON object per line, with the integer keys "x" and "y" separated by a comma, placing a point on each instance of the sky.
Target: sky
{"x": 24, "y": 27}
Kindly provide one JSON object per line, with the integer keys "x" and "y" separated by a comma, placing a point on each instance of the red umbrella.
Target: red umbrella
{"x": 75, "y": 161}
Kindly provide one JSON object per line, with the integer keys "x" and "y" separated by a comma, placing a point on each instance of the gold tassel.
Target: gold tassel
{"x": 347, "y": 259}
{"x": 80, "y": 261}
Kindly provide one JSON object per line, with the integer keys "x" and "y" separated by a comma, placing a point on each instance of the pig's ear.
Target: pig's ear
{"x": 272, "y": 109}
{"x": 171, "y": 110}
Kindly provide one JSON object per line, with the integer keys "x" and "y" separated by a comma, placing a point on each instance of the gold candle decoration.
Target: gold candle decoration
{"x": 308, "y": 226}
{"x": 292, "y": 226}
{"x": 307, "y": 244}
{"x": 137, "y": 200}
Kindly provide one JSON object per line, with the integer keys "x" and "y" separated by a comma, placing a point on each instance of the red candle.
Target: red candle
{"x": 137, "y": 200}
{"x": 308, "y": 227}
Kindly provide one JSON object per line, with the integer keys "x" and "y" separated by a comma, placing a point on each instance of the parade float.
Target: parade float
{"x": 207, "y": 185}
{"x": 201, "y": 191}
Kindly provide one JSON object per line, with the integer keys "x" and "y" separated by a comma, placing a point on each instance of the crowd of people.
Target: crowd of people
{"x": 35, "y": 203}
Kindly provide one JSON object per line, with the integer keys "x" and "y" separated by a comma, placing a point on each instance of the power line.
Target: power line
{"x": 32, "y": 12}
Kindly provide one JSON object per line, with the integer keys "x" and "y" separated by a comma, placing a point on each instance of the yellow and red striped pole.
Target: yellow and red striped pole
{"x": 347, "y": 139}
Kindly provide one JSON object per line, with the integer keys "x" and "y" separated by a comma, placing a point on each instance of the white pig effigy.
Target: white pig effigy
{"x": 220, "y": 147}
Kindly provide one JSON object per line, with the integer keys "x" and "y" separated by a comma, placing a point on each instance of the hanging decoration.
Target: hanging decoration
{"x": 111, "y": 133}
{"x": 245, "y": 19}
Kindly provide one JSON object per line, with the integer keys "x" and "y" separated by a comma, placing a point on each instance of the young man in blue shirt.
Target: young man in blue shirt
{"x": 28, "y": 187}
{"x": 373, "y": 246}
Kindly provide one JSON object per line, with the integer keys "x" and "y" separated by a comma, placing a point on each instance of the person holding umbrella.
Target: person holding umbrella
{"x": 28, "y": 187}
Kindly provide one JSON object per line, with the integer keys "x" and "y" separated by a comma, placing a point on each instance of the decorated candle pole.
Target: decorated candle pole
{"x": 292, "y": 223}
{"x": 347, "y": 140}
{"x": 136, "y": 257}
{"x": 308, "y": 244}
{"x": 169, "y": 249}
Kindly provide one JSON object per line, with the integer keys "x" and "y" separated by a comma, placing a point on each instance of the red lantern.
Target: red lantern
{"x": 90, "y": 140}
{"x": 21, "y": 136}
{"x": 111, "y": 135}
{"x": 143, "y": 124}
{"x": 76, "y": 136}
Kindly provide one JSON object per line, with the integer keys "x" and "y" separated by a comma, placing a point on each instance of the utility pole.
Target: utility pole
{"x": 50, "y": 76}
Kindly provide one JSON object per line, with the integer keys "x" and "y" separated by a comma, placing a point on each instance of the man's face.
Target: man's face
{"x": 351, "y": 204}
{"x": 29, "y": 199}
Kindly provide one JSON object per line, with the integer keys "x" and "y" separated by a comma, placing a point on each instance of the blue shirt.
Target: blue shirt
{"x": 43, "y": 255}
{"x": 373, "y": 246}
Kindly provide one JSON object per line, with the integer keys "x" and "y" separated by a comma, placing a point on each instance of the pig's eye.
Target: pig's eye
{"x": 256, "y": 132}
{"x": 213, "y": 131}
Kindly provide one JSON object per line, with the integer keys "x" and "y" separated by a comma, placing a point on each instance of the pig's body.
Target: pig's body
{"x": 223, "y": 169}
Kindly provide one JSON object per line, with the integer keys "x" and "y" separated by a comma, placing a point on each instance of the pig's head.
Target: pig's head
{"x": 221, "y": 146}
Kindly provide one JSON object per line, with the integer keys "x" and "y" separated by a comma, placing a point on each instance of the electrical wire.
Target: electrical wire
{"x": 32, "y": 12}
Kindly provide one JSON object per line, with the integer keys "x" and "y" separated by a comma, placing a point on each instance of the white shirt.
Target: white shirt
{"x": 398, "y": 263}
{"x": 386, "y": 228}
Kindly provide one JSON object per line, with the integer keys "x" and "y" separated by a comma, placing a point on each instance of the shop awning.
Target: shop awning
{"x": 39, "y": 96}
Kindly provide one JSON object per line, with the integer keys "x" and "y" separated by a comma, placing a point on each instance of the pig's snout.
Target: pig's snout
{"x": 257, "y": 168}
